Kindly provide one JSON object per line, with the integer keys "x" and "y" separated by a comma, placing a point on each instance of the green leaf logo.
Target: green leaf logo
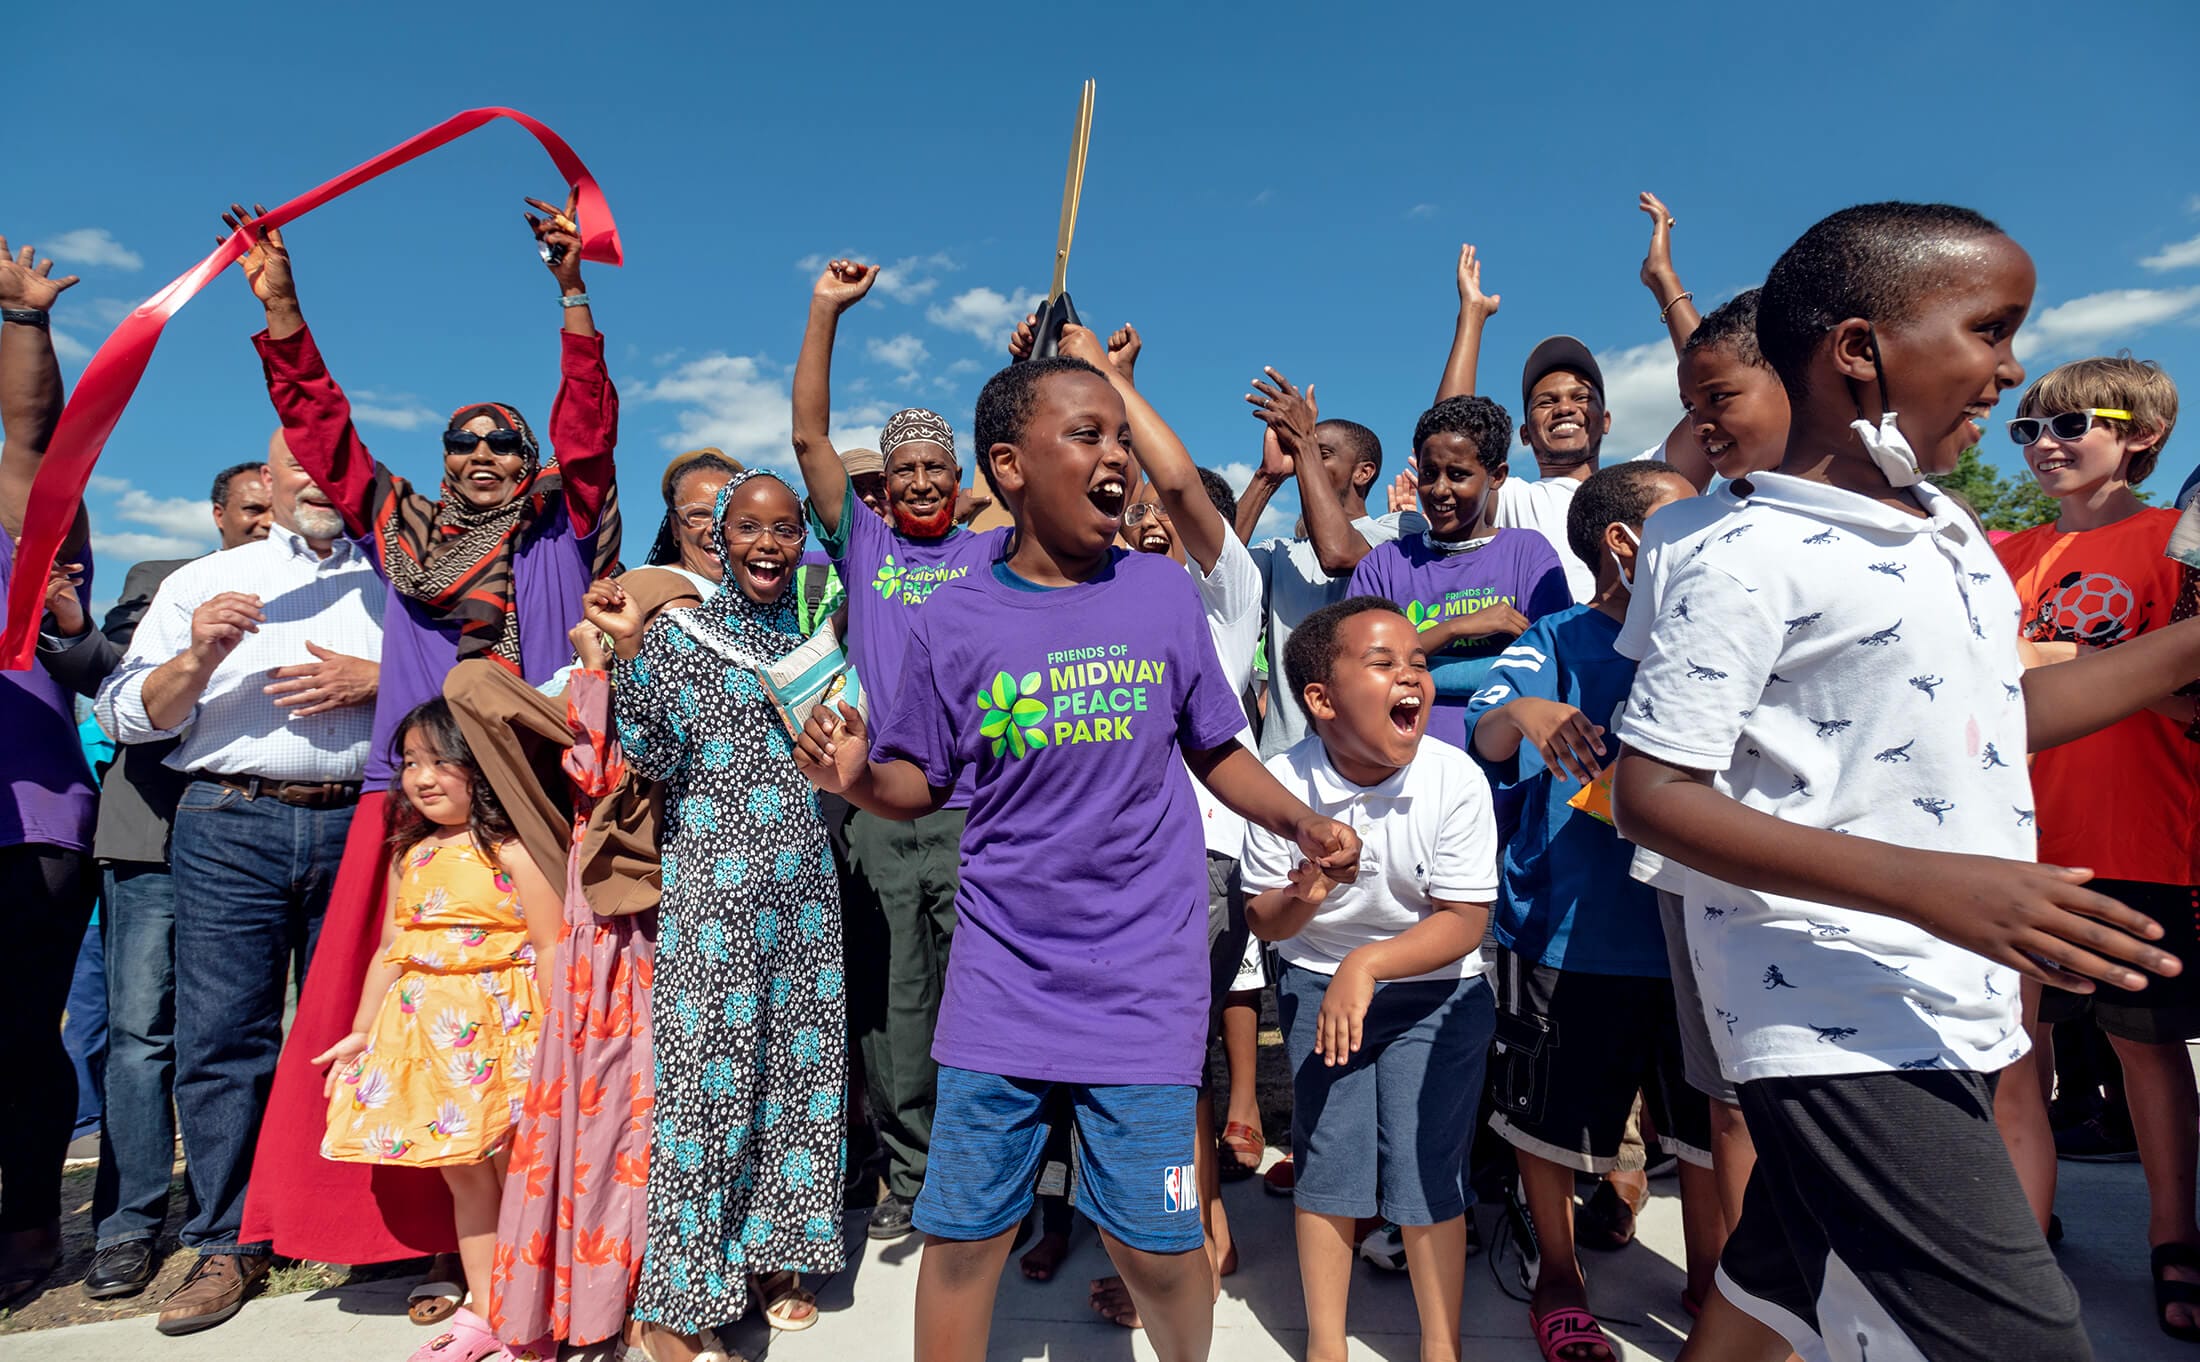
{"x": 1421, "y": 616}
{"x": 1014, "y": 716}
{"x": 888, "y": 581}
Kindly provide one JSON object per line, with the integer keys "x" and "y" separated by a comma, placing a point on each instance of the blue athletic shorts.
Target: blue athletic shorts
{"x": 1131, "y": 1161}
{"x": 1386, "y": 1134}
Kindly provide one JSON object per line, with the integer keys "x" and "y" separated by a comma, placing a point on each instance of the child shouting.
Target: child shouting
{"x": 1586, "y": 1010}
{"x": 1066, "y": 677}
{"x": 1828, "y": 732}
{"x": 433, "y": 1072}
{"x": 1469, "y": 587}
{"x": 1385, "y": 1015}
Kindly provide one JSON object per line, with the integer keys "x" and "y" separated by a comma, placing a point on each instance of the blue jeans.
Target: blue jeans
{"x": 252, "y": 878}
{"x": 137, "y": 916}
{"x": 84, "y": 1030}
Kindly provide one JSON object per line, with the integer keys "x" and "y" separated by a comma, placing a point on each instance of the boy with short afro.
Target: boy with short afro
{"x": 1066, "y": 678}
{"x": 1828, "y": 733}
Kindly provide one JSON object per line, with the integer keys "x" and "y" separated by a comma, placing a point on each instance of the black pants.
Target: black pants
{"x": 49, "y": 896}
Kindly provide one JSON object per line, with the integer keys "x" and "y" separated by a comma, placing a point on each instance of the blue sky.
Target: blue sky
{"x": 1281, "y": 186}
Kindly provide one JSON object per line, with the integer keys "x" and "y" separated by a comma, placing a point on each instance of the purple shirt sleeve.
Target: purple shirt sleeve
{"x": 919, "y": 730}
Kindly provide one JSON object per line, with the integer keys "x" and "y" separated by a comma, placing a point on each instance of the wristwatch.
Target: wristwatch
{"x": 25, "y": 316}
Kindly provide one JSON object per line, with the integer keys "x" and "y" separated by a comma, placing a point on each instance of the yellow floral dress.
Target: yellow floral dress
{"x": 448, "y": 1059}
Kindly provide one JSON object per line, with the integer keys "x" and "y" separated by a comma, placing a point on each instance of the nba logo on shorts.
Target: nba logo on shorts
{"x": 1179, "y": 1190}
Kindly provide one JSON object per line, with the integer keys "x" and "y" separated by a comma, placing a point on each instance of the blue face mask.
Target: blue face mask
{"x": 1888, "y": 446}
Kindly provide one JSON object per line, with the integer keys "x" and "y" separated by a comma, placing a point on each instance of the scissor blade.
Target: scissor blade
{"x": 1073, "y": 189}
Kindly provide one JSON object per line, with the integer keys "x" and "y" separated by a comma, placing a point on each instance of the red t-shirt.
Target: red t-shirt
{"x": 2126, "y": 800}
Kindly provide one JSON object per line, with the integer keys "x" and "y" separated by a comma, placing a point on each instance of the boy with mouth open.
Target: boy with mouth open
{"x": 1468, "y": 586}
{"x": 1074, "y": 682}
{"x": 1827, "y": 731}
{"x": 901, "y": 922}
{"x": 1385, "y": 1014}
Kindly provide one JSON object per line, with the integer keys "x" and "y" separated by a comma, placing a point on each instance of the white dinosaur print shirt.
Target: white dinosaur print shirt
{"x": 1840, "y": 664}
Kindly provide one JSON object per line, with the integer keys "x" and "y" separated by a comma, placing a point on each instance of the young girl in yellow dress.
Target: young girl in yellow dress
{"x": 434, "y": 1070}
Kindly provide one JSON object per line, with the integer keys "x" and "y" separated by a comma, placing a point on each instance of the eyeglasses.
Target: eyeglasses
{"x": 749, "y": 531}
{"x": 499, "y": 442}
{"x": 1141, "y": 511}
{"x": 695, "y": 514}
{"x": 2065, "y": 426}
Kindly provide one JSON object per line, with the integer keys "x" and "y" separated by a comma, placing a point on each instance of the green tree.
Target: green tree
{"x": 2002, "y": 502}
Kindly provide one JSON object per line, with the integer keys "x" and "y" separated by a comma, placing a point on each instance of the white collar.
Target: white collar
{"x": 1943, "y": 513}
{"x": 292, "y": 544}
{"x": 1332, "y": 788}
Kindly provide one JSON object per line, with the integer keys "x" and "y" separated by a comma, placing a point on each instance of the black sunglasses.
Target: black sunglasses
{"x": 499, "y": 442}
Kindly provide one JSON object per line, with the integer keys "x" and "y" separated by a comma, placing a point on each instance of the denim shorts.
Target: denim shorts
{"x": 1410, "y": 1097}
{"x": 1131, "y": 1160}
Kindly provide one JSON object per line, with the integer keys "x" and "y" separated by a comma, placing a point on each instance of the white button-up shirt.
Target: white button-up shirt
{"x": 236, "y": 728}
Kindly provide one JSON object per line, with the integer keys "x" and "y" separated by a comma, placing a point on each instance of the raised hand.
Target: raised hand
{"x": 615, "y": 614}
{"x": 27, "y": 282}
{"x": 833, "y": 748}
{"x": 1657, "y": 273}
{"x": 1471, "y": 296}
{"x": 843, "y": 284}
{"x": 1405, "y": 489}
{"x": 63, "y": 602}
{"x": 1291, "y": 415}
{"x": 1274, "y": 463}
{"x": 1123, "y": 349}
{"x": 331, "y": 681}
{"x": 1078, "y": 342}
{"x": 558, "y": 236}
{"x": 266, "y": 265}
{"x": 218, "y": 626}
{"x": 1023, "y": 338}
{"x": 970, "y": 503}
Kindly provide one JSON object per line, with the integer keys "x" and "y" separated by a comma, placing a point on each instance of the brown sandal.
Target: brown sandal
{"x": 1239, "y": 1150}
{"x": 438, "y": 1296}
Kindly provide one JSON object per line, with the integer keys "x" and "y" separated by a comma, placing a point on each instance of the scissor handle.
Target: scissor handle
{"x": 1053, "y": 316}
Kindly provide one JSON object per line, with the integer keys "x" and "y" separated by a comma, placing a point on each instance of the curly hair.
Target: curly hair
{"x": 1480, "y": 419}
{"x": 1732, "y": 327}
{"x": 1006, "y": 402}
{"x": 487, "y": 822}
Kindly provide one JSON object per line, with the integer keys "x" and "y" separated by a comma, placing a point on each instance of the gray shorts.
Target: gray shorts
{"x": 1699, "y": 1061}
{"x": 1226, "y": 933}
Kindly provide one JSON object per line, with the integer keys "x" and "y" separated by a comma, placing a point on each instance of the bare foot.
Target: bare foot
{"x": 1111, "y": 1300}
{"x": 1042, "y": 1259}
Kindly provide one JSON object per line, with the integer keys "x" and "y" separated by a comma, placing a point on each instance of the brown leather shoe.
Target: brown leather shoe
{"x": 212, "y": 1292}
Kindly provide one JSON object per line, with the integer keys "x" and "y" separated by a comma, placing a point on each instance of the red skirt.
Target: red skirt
{"x": 307, "y": 1206}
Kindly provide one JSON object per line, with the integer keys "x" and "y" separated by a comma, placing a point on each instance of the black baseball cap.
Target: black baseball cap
{"x": 1559, "y": 352}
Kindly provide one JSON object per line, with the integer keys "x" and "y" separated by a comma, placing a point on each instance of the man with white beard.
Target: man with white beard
{"x": 262, "y": 660}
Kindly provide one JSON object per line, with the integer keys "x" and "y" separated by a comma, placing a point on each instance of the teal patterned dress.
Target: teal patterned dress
{"x": 751, "y": 1026}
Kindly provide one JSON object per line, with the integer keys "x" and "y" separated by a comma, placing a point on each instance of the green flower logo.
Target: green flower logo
{"x": 888, "y": 581}
{"x": 1014, "y": 716}
{"x": 1421, "y": 616}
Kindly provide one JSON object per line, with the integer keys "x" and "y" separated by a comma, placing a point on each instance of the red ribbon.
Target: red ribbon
{"x": 112, "y": 376}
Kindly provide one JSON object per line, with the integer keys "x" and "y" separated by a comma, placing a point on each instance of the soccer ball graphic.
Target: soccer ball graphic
{"x": 2093, "y": 608}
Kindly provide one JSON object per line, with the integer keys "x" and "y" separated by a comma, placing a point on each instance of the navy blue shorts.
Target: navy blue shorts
{"x": 1131, "y": 1161}
{"x": 1408, "y": 1099}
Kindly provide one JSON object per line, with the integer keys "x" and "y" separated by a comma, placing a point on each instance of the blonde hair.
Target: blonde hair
{"x": 2120, "y": 383}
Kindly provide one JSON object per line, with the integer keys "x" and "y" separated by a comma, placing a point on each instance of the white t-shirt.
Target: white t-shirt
{"x": 1541, "y": 505}
{"x": 1295, "y": 586}
{"x": 1426, "y": 833}
{"x": 1230, "y": 596}
{"x": 1839, "y": 664}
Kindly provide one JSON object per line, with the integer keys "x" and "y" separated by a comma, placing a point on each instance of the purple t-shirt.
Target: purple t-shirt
{"x": 1081, "y": 947}
{"x": 550, "y": 574}
{"x": 889, "y": 577}
{"x": 1516, "y": 568}
{"x": 49, "y": 797}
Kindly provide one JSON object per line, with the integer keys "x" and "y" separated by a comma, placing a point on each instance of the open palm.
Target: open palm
{"x": 267, "y": 264}
{"x": 28, "y": 282}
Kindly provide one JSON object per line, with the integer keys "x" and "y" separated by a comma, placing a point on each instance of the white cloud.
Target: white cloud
{"x": 128, "y": 546}
{"x": 963, "y": 366}
{"x": 1276, "y": 522}
{"x": 2182, "y": 256}
{"x": 187, "y": 517}
{"x": 740, "y": 403}
{"x": 2110, "y": 315}
{"x": 397, "y": 411}
{"x": 1264, "y": 198}
{"x": 1238, "y": 475}
{"x": 983, "y": 313}
{"x": 1421, "y": 210}
{"x": 1642, "y": 392}
{"x": 904, "y": 352}
{"x": 93, "y": 246}
{"x": 69, "y": 347}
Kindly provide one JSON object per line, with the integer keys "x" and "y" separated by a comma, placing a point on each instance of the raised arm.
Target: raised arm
{"x": 1475, "y": 309}
{"x": 839, "y": 288}
{"x": 584, "y": 421}
{"x": 30, "y": 381}
{"x": 1291, "y": 417}
{"x": 1167, "y": 464}
{"x": 1676, "y": 306}
{"x": 316, "y": 415}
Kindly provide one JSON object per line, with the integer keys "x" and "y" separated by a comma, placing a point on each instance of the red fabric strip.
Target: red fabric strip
{"x": 110, "y": 378}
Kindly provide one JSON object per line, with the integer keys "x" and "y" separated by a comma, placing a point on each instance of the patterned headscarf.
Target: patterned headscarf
{"x": 912, "y": 425}
{"x": 456, "y": 558}
{"x": 763, "y": 632}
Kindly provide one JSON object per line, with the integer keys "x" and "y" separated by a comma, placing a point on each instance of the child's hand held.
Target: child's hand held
{"x": 1331, "y": 845}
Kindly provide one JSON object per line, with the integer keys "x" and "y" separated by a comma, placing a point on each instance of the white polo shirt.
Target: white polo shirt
{"x": 1231, "y": 598}
{"x": 1291, "y": 576}
{"x": 1839, "y": 664}
{"x": 1426, "y": 833}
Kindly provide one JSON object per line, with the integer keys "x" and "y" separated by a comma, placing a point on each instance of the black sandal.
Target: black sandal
{"x": 2169, "y": 1291}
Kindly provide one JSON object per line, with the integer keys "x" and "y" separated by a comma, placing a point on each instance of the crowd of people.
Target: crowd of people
{"x": 894, "y": 826}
